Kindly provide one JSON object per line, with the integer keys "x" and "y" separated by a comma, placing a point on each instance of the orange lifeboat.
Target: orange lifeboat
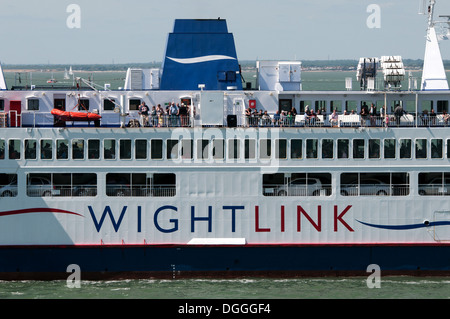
{"x": 75, "y": 116}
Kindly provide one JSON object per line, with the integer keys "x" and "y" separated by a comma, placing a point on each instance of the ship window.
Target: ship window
{"x": 187, "y": 146}
{"x": 93, "y": 149}
{"x": 374, "y": 148}
{"x": 233, "y": 148}
{"x": 405, "y": 148}
{"x": 172, "y": 149}
{"x": 249, "y": 148}
{"x": 280, "y": 149}
{"x": 296, "y": 149}
{"x": 84, "y": 184}
{"x": 436, "y": 148}
{"x": 62, "y": 149}
{"x": 448, "y": 148}
{"x": 125, "y": 149}
{"x": 374, "y": 184}
{"x": 265, "y": 148}
{"x": 2, "y": 105}
{"x": 164, "y": 185}
{"x": 40, "y": 185}
{"x": 434, "y": 184}
{"x": 303, "y": 105}
{"x": 320, "y": 106}
{"x": 46, "y": 149}
{"x": 134, "y": 104}
{"x": 343, "y": 147}
{"x": 421, "y": 148}
{"x": 336, "y": 105}
{"x": 221, "y": 76}
{"x": 297, "y": 184}
{"x": 157, "y": 149}
{"x": 358, "y": 148}
{"x": 311, "y": 148}
{"x": 2, "y": 149}
{"x": 140, "y": 149}
{"x": 350, "y": 106}
{"x": 442, "y": 106}
{"x": 68, "y": 184}
{"x": 389, "y": 148}
{"x": 78, "y": 149}
{"x": 83, "y": 105}
{"x": 14, "y": 149}
{"x": 33, "y": 105}
{"x": 427, "y": 105}
{"x": 218, "y": 148}
{"x": 202, "y": 149}
{"x": 109, "y": 149}
{"x": 108, "y": 104}
{"x": 231, "y": 76}
{"x": 140, "y": 184}
{"x": 118, "y": 184}
{"x": 30, "y": 149}
{"x": 285, "y": 105}
{"x": 8, "y": 185}
{"x": 327, "y": 148}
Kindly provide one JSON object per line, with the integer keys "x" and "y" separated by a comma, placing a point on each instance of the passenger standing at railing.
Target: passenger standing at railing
{"x": 282, "y": 118}
{"x": 160, "y": 115}
{"x": 424, "y": 118}
{"x": 289, "y": 119}
{"x": 276, "y": 118}
{"x": 265, "y": 119}
{"x": 183, "y": 114}
{"x": 248, "y": 115}
{"x": 174, "y": 112}
{"x": 445, "y": 117}
{"x": 154, "y": 116}
{"x": 364, "y": 113}
{"x": 334, "y": 118}
{"x": 312, "y": 117}
{"x": 307, "y": 115}
{"x": 432, "y": 117}
{"x": 398, "y": 112}
{"x": 293, "y": 112}
{"x": 384, "y": 116}
{"x": 143, "y": 111}
{"x": 372, "y": 114}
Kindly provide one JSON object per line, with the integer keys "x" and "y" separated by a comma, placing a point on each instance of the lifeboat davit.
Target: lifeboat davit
{"x": 75, "y": 116}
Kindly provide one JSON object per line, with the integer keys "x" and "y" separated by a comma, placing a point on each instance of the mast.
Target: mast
{"x": 433, "y": 73}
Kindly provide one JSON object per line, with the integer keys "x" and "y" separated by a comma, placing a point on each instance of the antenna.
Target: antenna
{"x": 431, "y": 13}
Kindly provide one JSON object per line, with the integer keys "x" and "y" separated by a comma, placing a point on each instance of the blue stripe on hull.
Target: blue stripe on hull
{"x": 34, "y": 262}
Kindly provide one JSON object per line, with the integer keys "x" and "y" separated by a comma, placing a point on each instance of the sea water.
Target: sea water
{"x": 245, "y": 288}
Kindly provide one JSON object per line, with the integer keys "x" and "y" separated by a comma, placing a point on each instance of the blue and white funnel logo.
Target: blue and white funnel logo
{"x": 206, "y": 58}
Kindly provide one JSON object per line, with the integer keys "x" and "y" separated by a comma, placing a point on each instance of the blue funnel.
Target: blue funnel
{"x": 200, "y": 52}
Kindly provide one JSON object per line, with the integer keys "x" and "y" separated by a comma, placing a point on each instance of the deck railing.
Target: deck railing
{"x": 39, "y": 119}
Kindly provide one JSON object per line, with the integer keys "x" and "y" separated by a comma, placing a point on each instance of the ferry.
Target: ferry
{"x": 187, "y": 171}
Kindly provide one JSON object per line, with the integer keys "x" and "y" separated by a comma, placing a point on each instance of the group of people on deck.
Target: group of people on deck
{"x": 178, "y": 115}
{"x": 172, "y": 115}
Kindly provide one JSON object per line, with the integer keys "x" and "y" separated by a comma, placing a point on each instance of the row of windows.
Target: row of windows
{"x": 85, "y": 184}
{"x": 284, "y": 104}
{"x": 128, "y": 149}
{"x": 351, "y": 184}
{"x": 355, "y": 184}
{"x": 279, "y": 184}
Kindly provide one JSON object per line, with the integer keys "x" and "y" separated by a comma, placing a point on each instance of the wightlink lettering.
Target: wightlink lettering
{"x": 169, "y": 219}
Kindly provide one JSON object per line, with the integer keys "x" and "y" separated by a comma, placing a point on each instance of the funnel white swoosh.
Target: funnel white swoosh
{"x": 205, "y": 58}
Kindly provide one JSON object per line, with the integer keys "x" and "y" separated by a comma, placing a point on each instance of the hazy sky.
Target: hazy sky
{"x": 127, "y": 31}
